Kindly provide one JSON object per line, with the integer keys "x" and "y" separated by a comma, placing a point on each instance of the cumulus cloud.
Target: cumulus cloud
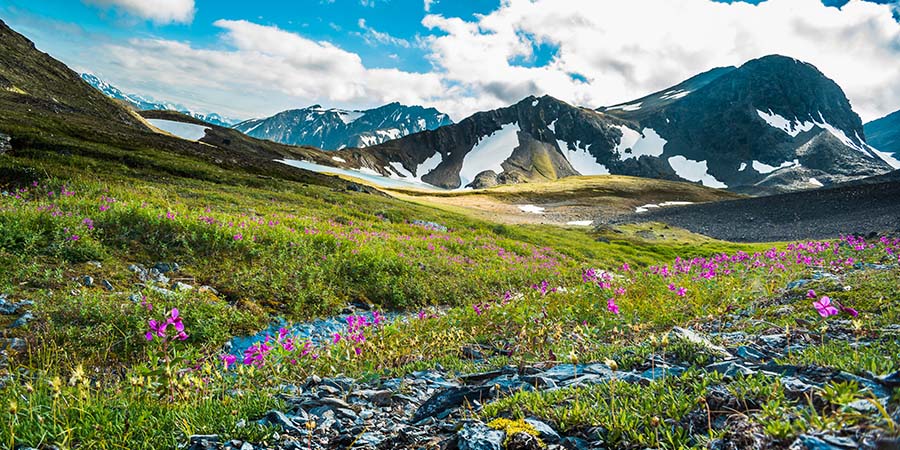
{"x": 263, "y": 70}
{"x": 600, "y": 53}
{"x": 613, "y": 51}
{"x": 157, "y": 11}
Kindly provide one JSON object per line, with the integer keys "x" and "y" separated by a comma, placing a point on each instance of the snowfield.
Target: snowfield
{"x": 765, "y": 168}
{"x": 490, "y": 152}
{"x": 581, "y": 159}
{"x": 531, "y": 209}
{"x": 694, "y": 171}
{"x": 363, "y": 174}
{"x": 647, "y": 142}
{"x": 183, "y": 130}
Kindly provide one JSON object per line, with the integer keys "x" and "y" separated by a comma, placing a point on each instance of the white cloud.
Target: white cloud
{"x": 265, "y": 69}
{"x": 617, "y": 50}
{"x": 429, "y": 4}
{"x": 374, "y": 37}
{"x": 626, "y": 49}
{"x": 157, "y": 11}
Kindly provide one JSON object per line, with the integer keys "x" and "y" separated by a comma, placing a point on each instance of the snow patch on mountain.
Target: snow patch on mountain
{"x": 675, "y": 94}
{"x": 490, "y": 152}
{"x": 349, "y": 117}
{"x": 791, "y": 127}
{"x": 648, "y": 207}
{"x": 183, "y": 130}
{"x": 764, "y": 168}
{"x": 886, "y": 157}
{"x": 581, "y": 159}
{"x": 795, "y": 127}
{"x": 531, "y": 209}
{"x": 694, "y": 171}
{"x": 628, "y": 107}
{"x": 365, "y": 174}
{"x": 634, "y": 144}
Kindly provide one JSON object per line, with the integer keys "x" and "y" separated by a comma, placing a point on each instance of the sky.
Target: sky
{"x": 252, "y": 59}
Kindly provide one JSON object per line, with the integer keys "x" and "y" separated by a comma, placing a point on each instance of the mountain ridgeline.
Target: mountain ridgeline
{"x": 334, "y": 129}
{"x": 141, "y": 103}
{"x": 774, "y": 124}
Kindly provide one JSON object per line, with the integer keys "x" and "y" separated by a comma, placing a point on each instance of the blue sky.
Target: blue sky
{"x": 247, "y": 59}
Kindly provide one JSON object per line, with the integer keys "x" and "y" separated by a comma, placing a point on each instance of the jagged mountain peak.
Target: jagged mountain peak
{"x": 335, "y": 128}
{"x": 142, "y": 103}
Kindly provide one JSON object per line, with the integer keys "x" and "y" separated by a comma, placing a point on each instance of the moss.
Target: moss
{"x": 511, "y": 427}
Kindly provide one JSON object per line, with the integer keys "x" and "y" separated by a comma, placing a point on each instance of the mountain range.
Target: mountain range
{"x": 141, "y": 103}
{"x": 334, "y": 129}
{"x": 773, "y": 124}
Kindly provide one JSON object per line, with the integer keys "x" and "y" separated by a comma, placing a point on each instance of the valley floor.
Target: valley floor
{"x": 862, "y": 209}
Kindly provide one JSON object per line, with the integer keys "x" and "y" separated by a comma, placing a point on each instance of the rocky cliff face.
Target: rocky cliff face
{"x": 334, "y": 129}
{"x": 141, "y": 103}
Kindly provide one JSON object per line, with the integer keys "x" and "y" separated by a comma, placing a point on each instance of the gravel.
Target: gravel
{"x": 860, "y": 209}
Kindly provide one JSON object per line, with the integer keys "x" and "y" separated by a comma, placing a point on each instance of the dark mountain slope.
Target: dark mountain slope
{"x": 884, "y": 133}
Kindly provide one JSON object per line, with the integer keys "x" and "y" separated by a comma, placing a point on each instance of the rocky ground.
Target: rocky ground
{"x": 437, "y": 409}
{"x": 440, "y": 409}
{"x": 443, "y": 409}
{"x": 862, "y": 209}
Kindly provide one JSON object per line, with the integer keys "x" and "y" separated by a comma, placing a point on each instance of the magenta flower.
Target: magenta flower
{"x": 229, "y": 360}
{"x": 682, "y": 292}
{"x": 824, "y": 307}
{"x": 611, "y": 306}
{"x": 848, "y": 309}
{"x": 421, "y": 316}
{"x": 156, "y": 329}
{"x": 256, "y": 354}
{"x": 337, "y": 338}
{"x": 238, "y": 237}
{"x": 811, "y": 294}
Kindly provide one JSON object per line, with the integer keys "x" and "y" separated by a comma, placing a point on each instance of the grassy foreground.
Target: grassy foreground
{"x": 267, "y": 247}
{"x": 89, "y": 378}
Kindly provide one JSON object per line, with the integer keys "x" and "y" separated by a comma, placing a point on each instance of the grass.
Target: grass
{"x": 306, "y": 251}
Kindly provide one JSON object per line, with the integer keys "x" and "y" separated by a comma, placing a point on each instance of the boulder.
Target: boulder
{"x": 478, "y": 436}
{"x": 451, "y": 398}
